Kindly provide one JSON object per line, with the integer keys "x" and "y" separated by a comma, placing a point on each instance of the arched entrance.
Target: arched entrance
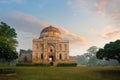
{"x": 51, "y": 51}
{"x": 51, "y": 59}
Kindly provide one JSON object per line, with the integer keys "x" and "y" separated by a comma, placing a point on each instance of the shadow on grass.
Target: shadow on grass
{"x": 109, "y": 74}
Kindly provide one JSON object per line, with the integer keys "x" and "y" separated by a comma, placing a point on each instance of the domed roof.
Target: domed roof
{"x": 49, "y": 29}
{"x": 50, "y": 32}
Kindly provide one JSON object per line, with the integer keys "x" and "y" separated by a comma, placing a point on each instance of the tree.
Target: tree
{"x": 91, "y": 55}
{"x": 89, "y": 58}
{"x": 8, "y": 43}
{"x": 91, "y": 51}
{"x": 110, "y": 51}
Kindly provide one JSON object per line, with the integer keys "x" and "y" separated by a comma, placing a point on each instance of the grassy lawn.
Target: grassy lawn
{"x": 63, "y": 73}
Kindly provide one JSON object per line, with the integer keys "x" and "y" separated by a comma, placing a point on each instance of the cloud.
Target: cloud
{"x": 24, "y": 22}
{"x": 112, "y": 35}
{"x": 30, "y": 24}
{"x": 28, "y": 18}
{"x": 109, "y": 8}
{"x": 100, "y": 6}
{"x": 79, "y": 6}
{"x": 67, "y": 34}
{"x": 110, "y": 32}
{"x": 73, "y": 37}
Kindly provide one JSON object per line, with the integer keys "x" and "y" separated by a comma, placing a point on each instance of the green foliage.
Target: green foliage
{"x": 42, "y": 64}
{"x": 66, "y": 65}
{"x": 8, "y": 35}
{"x": 110, "y": 51}
{"x": 8, "y": 43}
{"x": 35, "y": 64}
{"x": 24, "y": 64}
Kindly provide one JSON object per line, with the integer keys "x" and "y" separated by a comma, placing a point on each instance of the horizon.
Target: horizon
{"x": 84, "y": 23}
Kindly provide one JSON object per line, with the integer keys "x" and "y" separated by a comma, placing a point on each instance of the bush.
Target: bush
{"x": 35, "y": 64}
{"x": 6, "y": 71}
{"x": 42, "y": 64}
{"x": 24, "y": 64}
{"x": 66, "y": 65}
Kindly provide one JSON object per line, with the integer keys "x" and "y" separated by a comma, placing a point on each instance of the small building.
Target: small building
{"x": 25, "y": 56}
{"x": 73, "y": 59}
{"x": 50, "y": 46}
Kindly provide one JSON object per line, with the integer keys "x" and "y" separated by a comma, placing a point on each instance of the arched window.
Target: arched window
{"x": 60, "y": 56}
{"x": 51, "y": 50}
{"x": 65, "y": 47}
{"x": 36, "y": 56}
{"x": 60, "y": 47}
{"x": 65, "y": 56}
{"x": 42, "y": 56}
{"x": 36, "y": 46}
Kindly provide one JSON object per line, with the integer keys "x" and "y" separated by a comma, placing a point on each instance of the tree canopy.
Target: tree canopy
{"x": 110, "y": 51}
{"x": 8, "y": 42}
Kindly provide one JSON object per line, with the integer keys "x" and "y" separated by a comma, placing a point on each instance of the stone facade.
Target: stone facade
{"x": 50, "y": 46}
{"x": 25, "y": 56}
{"x": 73, "y": 59}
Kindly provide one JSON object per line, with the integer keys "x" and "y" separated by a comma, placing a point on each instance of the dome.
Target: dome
{"x": 50, "y": 32}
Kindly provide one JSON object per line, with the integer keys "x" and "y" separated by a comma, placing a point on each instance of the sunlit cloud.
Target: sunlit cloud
{"x": 28, "y": 23}
{"x": 67, "y": 34}
{"x": 109, "y": 8}
{"x": 100, "y": 4}
{"x": 112, "y": 35}
{"x": 28, "y": 18}
{"x": 73, "y": 37}
{"x": 79, "y": 6}
{"x": 110, "y": 32}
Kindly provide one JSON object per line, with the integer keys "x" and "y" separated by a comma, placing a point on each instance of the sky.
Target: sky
{"x": 84, "y": 23}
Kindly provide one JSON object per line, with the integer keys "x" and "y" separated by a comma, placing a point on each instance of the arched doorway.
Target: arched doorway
{"x": 51, "y": 53}
{"x": 51, "y": 50}
{"x": 51, "y": 59}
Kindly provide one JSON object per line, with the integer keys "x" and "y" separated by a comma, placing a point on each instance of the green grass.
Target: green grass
{"x": 63, "y": 73}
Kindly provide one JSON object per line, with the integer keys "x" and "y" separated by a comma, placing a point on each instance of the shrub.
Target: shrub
{"x": 6, "y": 71}
{"x": 66, "y": 65}
{"x": 35, "y": 64}
{"x": 24, "y": 64}
{"x": 42, "y": 64}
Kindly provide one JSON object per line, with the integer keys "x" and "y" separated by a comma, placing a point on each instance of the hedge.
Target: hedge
{"x": 35, "y": 64}
{"x": 6, "y": 71}
{"x": 66, "y": 65}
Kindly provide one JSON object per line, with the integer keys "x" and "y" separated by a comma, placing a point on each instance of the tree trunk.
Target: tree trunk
{"x": 118, "y": 58}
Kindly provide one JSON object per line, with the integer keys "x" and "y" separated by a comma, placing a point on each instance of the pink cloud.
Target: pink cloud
{"x": 101, "y": 2}
{"x": 74, "y": 38}
{"x": 110, "y": 33}
{"x": 28, "y": 18}
{"x": 109, "y": 8}
{"x": 100, "y": 7}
